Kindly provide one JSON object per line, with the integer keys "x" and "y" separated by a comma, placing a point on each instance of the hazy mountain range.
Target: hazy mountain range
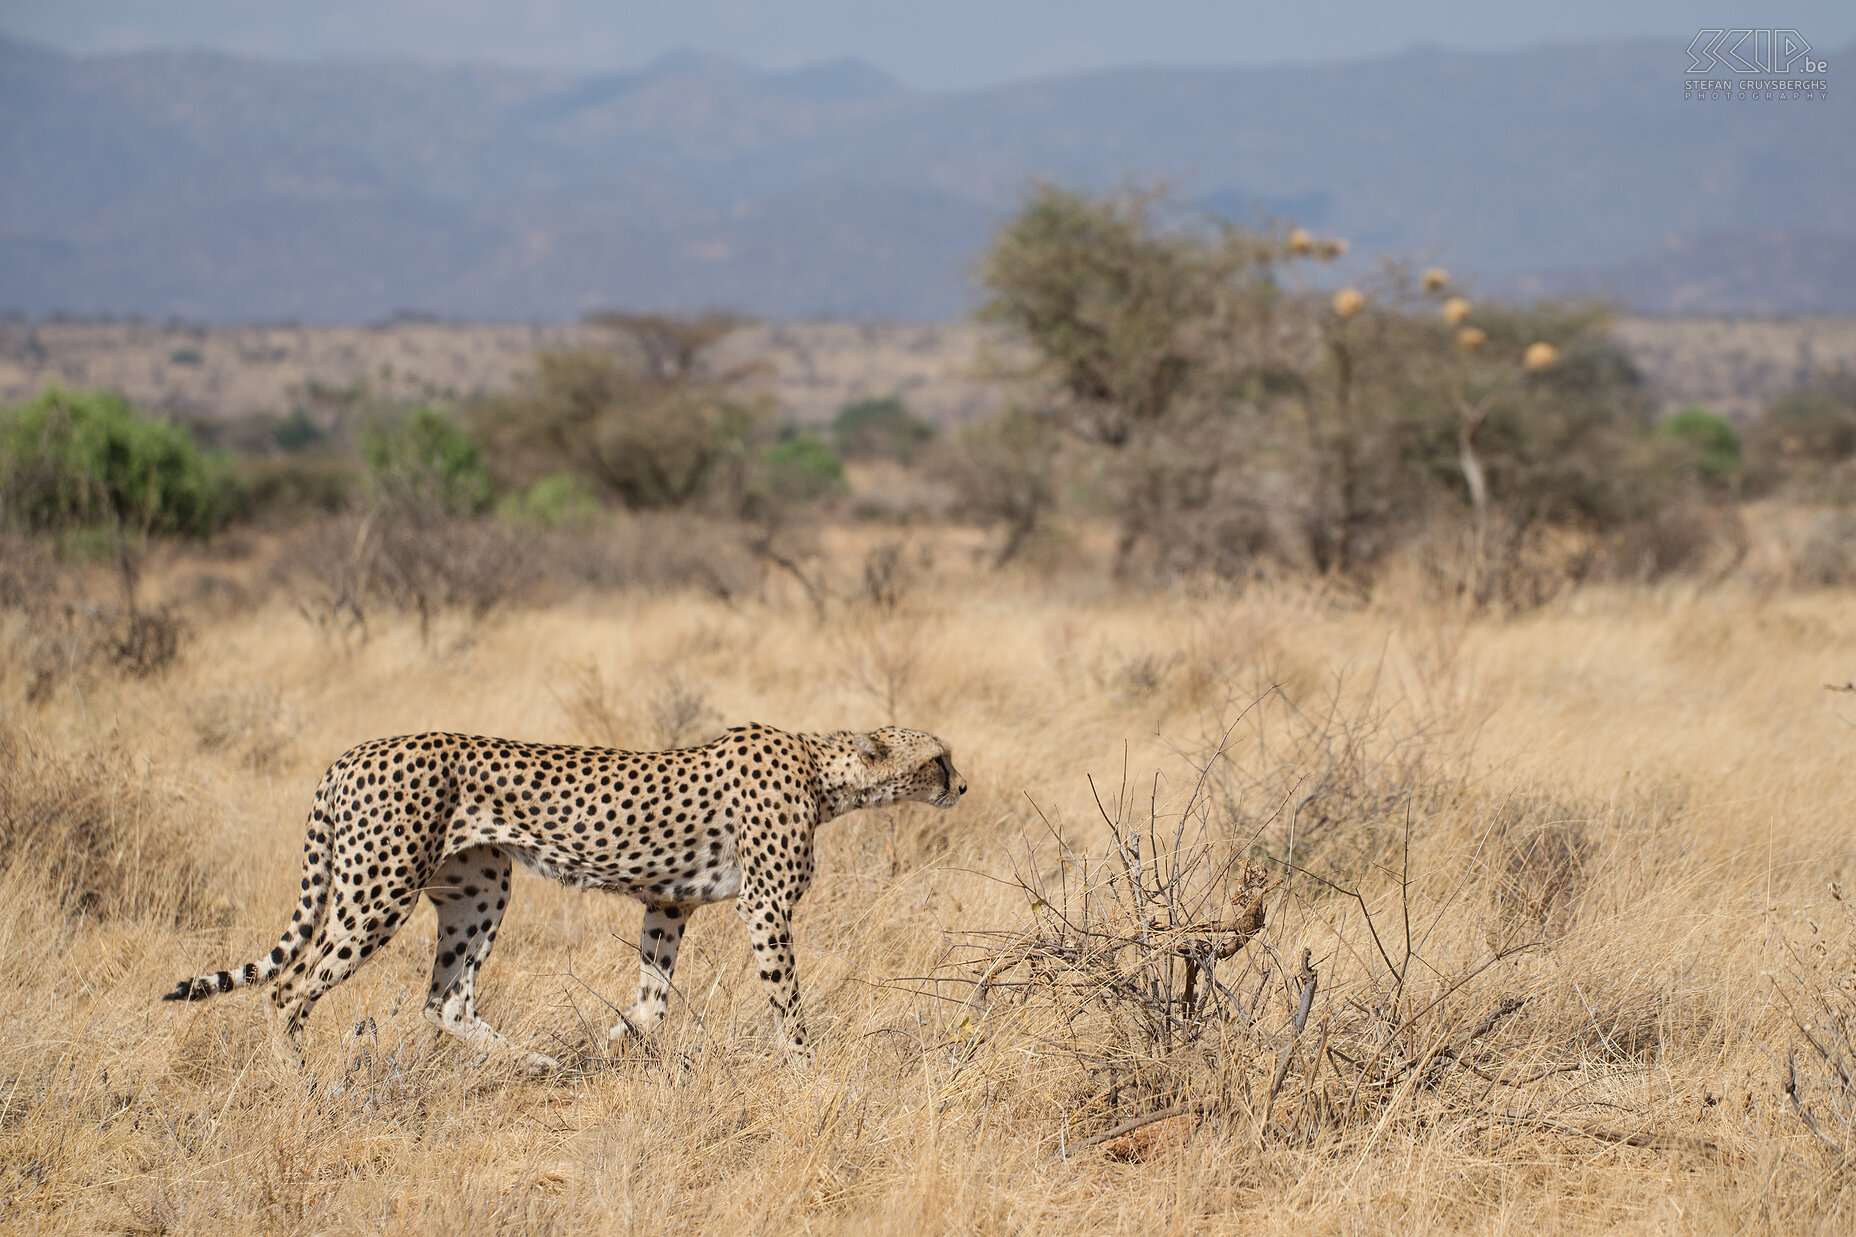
{"x": 221, "y": 188}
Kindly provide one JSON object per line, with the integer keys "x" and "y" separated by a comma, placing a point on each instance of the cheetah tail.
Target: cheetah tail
{"x": 305, "y": 923}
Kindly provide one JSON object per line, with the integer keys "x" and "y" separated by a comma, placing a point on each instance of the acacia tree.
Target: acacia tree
{"x": 1112, "y": 308}
{"x": 1516, "y": 417}
{"x": 643, "y": 434}
{"x": 1154, "y": 343}
{"x": 670, "y": 346}
{"x": 1004, "y": 469}
{"x": 1234, "y": 412}
{"x": 1805, "y": 442}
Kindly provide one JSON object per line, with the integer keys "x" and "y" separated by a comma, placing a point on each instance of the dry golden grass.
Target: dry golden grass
{"x": 1643, "y": 796}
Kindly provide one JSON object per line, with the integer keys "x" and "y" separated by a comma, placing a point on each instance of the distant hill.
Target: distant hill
{"x": 1767, "y": 273}
{"x": 218, "y": 188}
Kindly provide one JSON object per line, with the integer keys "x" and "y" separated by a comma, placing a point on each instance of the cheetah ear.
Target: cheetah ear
{"x": 869, "y": 748}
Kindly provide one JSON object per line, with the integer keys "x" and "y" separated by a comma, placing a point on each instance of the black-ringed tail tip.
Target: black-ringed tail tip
{"x": 448, "y": 816}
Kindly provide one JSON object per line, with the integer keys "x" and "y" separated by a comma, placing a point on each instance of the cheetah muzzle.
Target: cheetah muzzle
{"x": 448, "y": 816}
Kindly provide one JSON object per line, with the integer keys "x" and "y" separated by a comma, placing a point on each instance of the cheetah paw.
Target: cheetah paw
{"x": 630, "y": 1026}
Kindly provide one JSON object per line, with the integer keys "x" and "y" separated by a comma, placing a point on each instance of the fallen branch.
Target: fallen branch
{"x": 1791, "y": 1093}
{"x": 1135, "y": 1123}
{"x": 1453, "y": 1054}
{"x": 1309, "y": 982}
{"x": 1528, "y": 1081}
{"x": 1648, "y": 1139}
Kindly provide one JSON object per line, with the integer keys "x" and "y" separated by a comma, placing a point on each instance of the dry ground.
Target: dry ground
{"x": 1624, "y": 811}
{"x": 811, "y": 369}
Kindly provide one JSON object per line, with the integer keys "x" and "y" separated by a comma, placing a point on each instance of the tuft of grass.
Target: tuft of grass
{"x": 95, "y": 834}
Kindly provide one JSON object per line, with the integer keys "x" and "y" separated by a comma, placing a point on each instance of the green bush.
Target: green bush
{"x": 638, "y": 438}
{"x": 1004, "y": 470}
{"x": 798, "y": 469}
{"x": 297, "y": 432}
{"x": 86, "y": 460}
{"x": 1710, "y": 437}
{"x": 281, "y": 489}
{"x": 1805, "y": 439}
{"x": 880, "y": 429}
{"x": 554, "y": 501}
{"x": 425, "y": 461}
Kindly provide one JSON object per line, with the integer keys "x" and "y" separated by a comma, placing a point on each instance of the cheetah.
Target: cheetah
{"x": 448, "y": 815}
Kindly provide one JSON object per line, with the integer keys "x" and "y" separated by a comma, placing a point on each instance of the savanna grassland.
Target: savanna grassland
{"x": 1566, "y": 880}
{"x": 1409, "y": 771}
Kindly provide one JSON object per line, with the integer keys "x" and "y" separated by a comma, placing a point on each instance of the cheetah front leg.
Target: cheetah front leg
{"x": 658, "y": 940}
{"x": 769, "y": 920}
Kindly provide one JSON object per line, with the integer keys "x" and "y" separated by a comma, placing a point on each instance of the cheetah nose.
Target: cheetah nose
{"x": 962, "y": 788}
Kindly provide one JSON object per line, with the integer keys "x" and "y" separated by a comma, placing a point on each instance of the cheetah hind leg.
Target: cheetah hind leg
{"x": 658, "y": 940}
{"x": 348, "y": 935}
{"x": 470, "y": 891}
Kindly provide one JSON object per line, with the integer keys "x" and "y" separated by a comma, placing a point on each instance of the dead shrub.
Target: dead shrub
{"x": 59, "y": 633}
{"x": 1170, "y": 975}
{"x": 1282, "y": 960}
{"x": 147, "y": 642}
{"x": 1188, "y": 508}
{"x": 677, "y": 712}
{"x": 67, "y": 642}
{"x": 249, "y": 722}
{"x": 1817, "y": 992}
{"x": 1825, "y": 556}
{"x": 53, "y": 645}
{"x": 1135, "y": 677}
{"x": 1517, "y": 567}
{"x": 1331, "y": 782}
{"x": 888, "y": 576}
{"x": 881, "y": 658}
{"x": 96, "y": 833}
{"x": 681, "y": 712}
{"x": 652, "y": 552}
{"x": 343, "y": 570}
{"x": 345, "y": 567}
{"x": 1678, "y": 539}
{"x": 595, "y": 712}
{"x": 1509, "y": 567}
{"x": 324, "y": 566}
{"x": 474, "y": 566}
{"x": 28, "y": 574}
{"x": 1003, "y": 472}
{"x": 1130, "y": 955}
{"x": 888, "y": 493}
{"x": 1545, "y": 855}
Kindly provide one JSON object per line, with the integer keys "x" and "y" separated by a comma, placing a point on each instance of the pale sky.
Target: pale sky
{"x": 930, "y": 44}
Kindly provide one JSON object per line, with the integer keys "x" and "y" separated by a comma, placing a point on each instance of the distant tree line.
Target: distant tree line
{"x": 1202, "y": 387}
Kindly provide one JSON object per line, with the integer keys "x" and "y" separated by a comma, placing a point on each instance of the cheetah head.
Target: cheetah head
{"x": 890, "y": 765}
